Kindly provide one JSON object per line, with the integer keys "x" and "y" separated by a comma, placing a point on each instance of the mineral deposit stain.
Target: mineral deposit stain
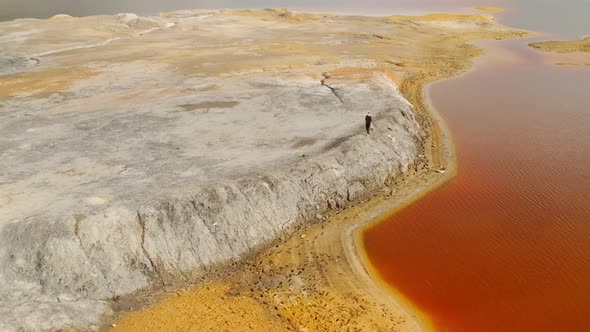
{"x": 41, "y": 82}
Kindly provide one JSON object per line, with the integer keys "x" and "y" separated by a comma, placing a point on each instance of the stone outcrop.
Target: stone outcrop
{"x": 123, "y": 248}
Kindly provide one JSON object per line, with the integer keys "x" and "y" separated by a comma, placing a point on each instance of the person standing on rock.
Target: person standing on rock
{"x": 369, "y": 122}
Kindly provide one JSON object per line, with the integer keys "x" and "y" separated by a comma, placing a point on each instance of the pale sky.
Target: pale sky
{"x": 567, "y": 16}
{"x": 44, "y": 8}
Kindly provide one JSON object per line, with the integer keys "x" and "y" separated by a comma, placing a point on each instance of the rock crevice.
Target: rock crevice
{"x": 145, "y": 252}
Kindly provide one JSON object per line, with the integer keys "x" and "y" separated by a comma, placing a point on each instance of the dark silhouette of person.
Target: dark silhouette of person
{"x": 368, "y": 122}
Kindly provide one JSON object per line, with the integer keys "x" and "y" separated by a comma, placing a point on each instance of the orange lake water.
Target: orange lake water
{"x": 505, "y": 245}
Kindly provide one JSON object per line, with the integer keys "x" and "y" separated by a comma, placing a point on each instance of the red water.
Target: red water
{"x": 505, "y": 246}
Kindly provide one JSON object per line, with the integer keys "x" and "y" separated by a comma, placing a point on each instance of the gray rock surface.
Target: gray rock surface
{"x": 126, "y": 246}
{"x": 140, "y": 173}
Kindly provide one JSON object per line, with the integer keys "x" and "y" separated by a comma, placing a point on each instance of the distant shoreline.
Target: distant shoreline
{"x": 160, "y": 10}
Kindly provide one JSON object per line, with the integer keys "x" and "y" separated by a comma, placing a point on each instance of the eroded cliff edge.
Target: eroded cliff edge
{"x": 125, "y": 247}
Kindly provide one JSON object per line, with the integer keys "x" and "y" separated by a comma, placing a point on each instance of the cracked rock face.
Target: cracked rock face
{"x": 137, "y": 151}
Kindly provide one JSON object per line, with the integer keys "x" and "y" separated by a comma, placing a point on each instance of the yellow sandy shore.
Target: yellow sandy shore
{"x": 565, "y": 46}
{"x": 318, "y": 279}
{"x": 490, "y": 9}
{"x": 565, "y": 53}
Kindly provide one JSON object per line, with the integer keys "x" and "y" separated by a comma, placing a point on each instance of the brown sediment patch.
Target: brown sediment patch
{"x": 565, "y": 46}
{"x": 304, "y": 142}
{"x": 42, "y": 82}
{"x": 444, "y": 17}
{"x": 315, "y": 280}
{"x": 568, "y": 64}
{"x": 490, "y": 9}
{"x": 207, "y": 105}
{"x": 210, "y": 87}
